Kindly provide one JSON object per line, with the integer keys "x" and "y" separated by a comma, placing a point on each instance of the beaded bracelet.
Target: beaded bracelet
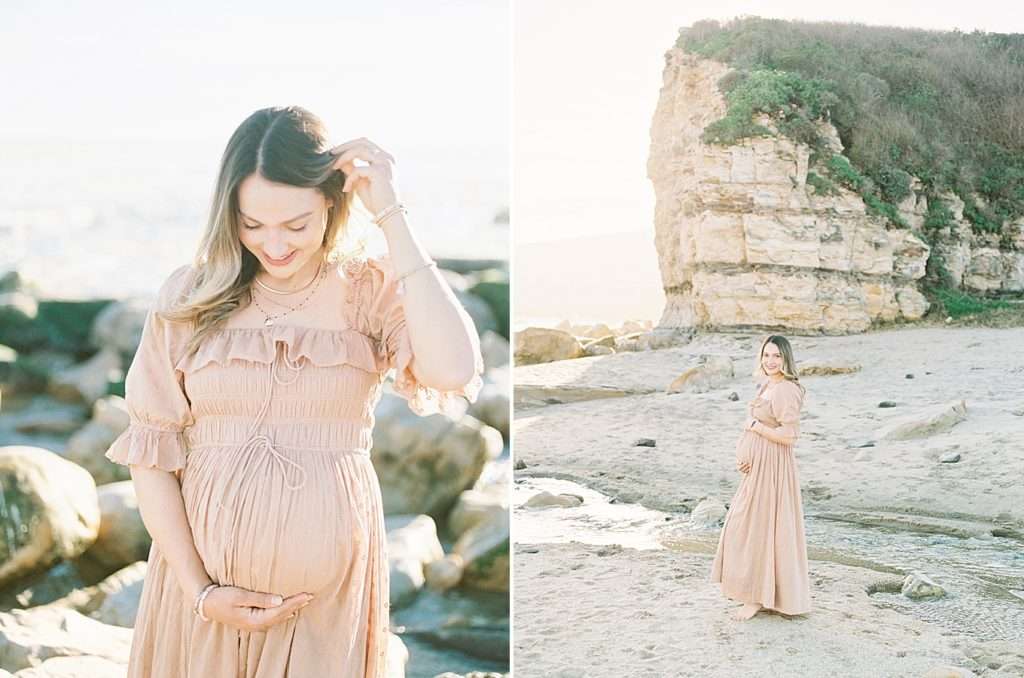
{"x": 198, "y": 607}
{"x": 388, "y": 211}
{"x": 429, "y": 264}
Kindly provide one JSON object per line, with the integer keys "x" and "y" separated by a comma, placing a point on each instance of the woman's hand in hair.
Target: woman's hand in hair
{"x": 373, "y": 182}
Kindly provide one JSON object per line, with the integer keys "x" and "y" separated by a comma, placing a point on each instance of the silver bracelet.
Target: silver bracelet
{"x": 387, "y": 212}
{"x": 198, "y": 607}
{"x": 429, "y": 264}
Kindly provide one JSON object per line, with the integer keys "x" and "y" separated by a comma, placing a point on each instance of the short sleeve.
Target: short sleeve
{"x": 158, "y": 408}
{"x": 386, "y": 315}
{"x": 786, "y": 403}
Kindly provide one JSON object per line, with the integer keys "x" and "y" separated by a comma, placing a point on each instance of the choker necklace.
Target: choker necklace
{"x": 271, "y": 289}
{"x": 270, "y": 318}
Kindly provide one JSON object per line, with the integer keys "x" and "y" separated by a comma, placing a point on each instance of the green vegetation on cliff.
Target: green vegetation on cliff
{"x": 945, "y": 107}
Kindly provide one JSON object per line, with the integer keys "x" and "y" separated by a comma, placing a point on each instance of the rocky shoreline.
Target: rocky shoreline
{"x": 74, "y": 548}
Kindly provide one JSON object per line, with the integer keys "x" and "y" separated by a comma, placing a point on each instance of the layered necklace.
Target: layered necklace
{"x": 269, "y": 317}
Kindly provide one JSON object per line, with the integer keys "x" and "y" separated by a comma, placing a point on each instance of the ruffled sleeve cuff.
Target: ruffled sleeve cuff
{"x": 149, "y": 446}
{"x": 426, "y": 400}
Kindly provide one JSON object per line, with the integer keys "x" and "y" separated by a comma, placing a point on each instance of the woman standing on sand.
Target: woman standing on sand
{"x": 762, "y": 552}
{"x": 252, "y": 400}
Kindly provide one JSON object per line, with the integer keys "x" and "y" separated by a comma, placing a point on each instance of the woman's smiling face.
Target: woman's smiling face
{"x": 282, "y": 226}
{"x": 771, "y": 359}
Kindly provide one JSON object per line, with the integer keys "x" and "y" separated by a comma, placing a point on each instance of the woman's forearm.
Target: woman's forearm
{"x": 782, "y": 434}
{"x": 442, "y": 334}
{"x": 162, "y": 507}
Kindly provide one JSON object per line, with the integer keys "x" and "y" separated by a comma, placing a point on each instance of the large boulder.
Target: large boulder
{"x": 119, "y": 326}
{"x": 711, "y": 372}
{"x": 544, "y": 345}
{"x": 484, "y": 549}
{"x": 122, "y": 538}
{"x": 88, "y": 445}
{"x": 424, "y": 463}
{"x": 926, "y": 422}
{"x": 493, "y": 404}
{"x": 87, "y": 381}
{"x": 412, "y": 544}
{"x": 33, "y": 636}
{"x": 50, "y": 510}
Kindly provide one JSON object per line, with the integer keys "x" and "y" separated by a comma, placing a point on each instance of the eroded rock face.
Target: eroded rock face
{"x": 744, "y": 242}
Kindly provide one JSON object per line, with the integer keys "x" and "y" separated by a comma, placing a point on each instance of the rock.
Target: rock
{"x": 484, "y": 549}
{"x": 88, "y": 381}
{"x": 398, "y": 657}
{"x": 546, "y": 499}
{"x": 32, "y": 636}
{"x": 645, "y": 442}
{"x": 45, "y": 416}
{"x": 825, "y": 368}
{"x": 926, "y": 422}
{"x": 1004, "y": 657}
{"x": 119, "y": 326}
{"x": 743, "y": 241}
{"x": 88, "y": 446}
{"x": 520, "y": 465}
{"x": 412, "y": 543}
{"x": 950, "y": 458}
{"x": 913, "y": 305}
{"x": 918, "y": 586}
{"x": 663, "y": 338}
{"x": 542, "y": 345}
{"x": 596, "y": 331}
{"x": 495, "y": 350}
{"x": 445, "y": 573}
{"x": 493, "y": 405}
{"x": 708, "y": 513}
{"x": 475, "y": 507}
{"x": 598, "y": 349}
{"x": 424, "y": 463}
{"x": 711, "y": 372}
{"x": 734, "y": 396}
{"x": 51, "y": 511}
{"x": 75, "y": 667}
{"x": 948, "y": 672}
{"x": 119, "y": 594}
{"x": 628, "y": 342}
{"x": 122, "y": 538}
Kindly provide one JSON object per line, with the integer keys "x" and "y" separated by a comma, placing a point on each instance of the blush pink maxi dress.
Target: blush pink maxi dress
{"x": 762, "y": 550}
{"x": 269, "y": 430}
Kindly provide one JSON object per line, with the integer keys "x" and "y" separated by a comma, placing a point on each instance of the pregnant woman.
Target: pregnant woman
{"x": 762, "y": 552}
{"x": 251, "y": 400}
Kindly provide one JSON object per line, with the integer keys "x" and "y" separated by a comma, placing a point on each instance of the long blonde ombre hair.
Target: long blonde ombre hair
{"x": 789, "y": 370}
{"x": 286, "y": 145}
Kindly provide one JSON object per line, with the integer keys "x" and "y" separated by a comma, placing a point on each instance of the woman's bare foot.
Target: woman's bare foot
{"x": 747, "y": 611}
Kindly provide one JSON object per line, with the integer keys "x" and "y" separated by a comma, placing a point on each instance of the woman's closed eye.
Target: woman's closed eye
{"x": 250, "y": 227}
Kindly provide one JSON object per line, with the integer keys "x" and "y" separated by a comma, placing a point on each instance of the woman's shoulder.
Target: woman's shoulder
{"x": 788, "y": 388}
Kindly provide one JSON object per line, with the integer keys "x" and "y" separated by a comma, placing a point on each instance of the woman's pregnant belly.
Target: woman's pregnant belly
{"x": 252, "y": 531}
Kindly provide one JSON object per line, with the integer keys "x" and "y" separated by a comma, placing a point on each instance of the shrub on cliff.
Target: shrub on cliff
{"x": 945, "y": 107}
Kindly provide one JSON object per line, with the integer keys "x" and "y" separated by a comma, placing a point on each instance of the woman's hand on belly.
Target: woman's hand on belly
{"x": 250, "y": 610}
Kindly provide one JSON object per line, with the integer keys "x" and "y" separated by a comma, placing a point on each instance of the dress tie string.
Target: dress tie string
{"x": 257, "y": 441}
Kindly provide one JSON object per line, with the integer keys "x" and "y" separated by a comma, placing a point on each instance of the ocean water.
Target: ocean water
{"x": 113, "y": 218}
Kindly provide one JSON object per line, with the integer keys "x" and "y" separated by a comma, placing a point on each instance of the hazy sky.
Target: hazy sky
{"x": 401, "y": 72}
{"x": 586, "y": 81}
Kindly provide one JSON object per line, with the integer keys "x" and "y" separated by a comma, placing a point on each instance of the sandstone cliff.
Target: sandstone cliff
{"x": 744, "y": 242}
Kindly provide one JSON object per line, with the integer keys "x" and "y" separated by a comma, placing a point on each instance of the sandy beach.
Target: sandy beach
{"x": 605, "y": 610}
